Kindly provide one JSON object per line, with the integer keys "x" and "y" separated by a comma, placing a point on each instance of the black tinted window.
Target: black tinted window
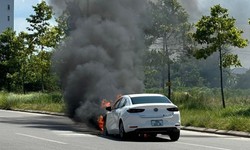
{"x": 150, "y": 99}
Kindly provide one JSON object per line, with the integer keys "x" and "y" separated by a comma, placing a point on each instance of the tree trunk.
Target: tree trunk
{"x": 221, "y": 80}
{"x": 23, "y": 79}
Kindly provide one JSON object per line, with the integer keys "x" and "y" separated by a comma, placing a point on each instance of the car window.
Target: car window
{"x": 116, "y": 105}
{"x": 150, "y": 99}
{"x": 122, "y": 103}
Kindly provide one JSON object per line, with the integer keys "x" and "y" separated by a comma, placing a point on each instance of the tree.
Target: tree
{"x": 215, "y": 33}
{"x": 39, "y": 29}
{"x": 8, "y": 58}
{"x": 170, "y": 27}
{"x": 44, "y": 38}
{"x": 154, "y": 68}
{"x": 26, "y": 51}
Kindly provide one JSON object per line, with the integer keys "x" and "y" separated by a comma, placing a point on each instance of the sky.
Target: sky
{"x": 238, "y": 9}
{"x": 23, "y": 9}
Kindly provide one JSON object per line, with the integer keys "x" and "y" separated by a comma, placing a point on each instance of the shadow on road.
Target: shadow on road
{"x": 60, "y": 123}
{"x": 135, "y": 138}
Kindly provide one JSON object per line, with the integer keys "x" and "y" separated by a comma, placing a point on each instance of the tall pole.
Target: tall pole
{"x": 169, "y": 79}
{"x": 165, "y": 48}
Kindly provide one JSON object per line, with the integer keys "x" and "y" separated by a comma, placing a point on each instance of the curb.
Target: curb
{"x": 216, "y": 131}
{"x": 39, "y": 112}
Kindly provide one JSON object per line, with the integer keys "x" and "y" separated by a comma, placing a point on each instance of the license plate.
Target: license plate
{"x": 156, "y": 122}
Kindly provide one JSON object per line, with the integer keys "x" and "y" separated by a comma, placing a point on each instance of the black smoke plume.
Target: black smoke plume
{"x": 102, "y": 56}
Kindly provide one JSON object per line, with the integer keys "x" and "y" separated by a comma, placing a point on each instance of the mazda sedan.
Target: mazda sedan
{"x": 143, "y": 114}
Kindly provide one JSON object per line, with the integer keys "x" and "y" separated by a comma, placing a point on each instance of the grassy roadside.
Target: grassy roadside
{"x": 200, "y": 107}
{"x": 231, "y": 118}
{"x": 33, "y": 101}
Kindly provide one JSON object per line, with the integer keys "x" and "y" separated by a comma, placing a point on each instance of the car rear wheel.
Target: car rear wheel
{"x": 174, "y": 135}
{"x": 105, "y": 131}
{"x": 122, "y": 133}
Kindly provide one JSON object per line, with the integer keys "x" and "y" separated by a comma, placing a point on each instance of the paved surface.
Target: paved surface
{"x": 216, "y": 131}
{"x": 188, "y": 128}
{"x": 31, "y": 131}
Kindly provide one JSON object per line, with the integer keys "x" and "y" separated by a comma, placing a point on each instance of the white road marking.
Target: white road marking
{"x": 204, "y": 146}
{"x": 39, "y": 138}
{"x": 72, "y": 134}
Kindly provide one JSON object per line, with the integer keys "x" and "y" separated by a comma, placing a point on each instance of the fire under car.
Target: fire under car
{"x": 138, "y": 114}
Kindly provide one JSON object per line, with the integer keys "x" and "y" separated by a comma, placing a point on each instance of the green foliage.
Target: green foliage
{"x": 187, "y": 73}
{"x": 226, "y": 119}
{"x": 3, "y": 101}
{"x": 217, "y": 31}
{"x": 39, "y": 22}
{"x": 155, "y": 68}
{"x": 169, "y": 27}
{"x": 32, "y": 101}
{"x": 41, "y": 36}
{"x": 42, "y": 40}
{"x": 9, "y": 51}
{"x": 25, "y": 59}
{"x": 199, "y": 107}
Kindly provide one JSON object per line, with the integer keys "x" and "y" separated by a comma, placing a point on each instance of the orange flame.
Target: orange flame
{"x": 100, "y": 119}
{"x": 100, "y": 122}
{"x": 105, "y": 103}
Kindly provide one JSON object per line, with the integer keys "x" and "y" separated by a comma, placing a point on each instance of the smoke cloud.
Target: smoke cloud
{"x": 102, "y": 57}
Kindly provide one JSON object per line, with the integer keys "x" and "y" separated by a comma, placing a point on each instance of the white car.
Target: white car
{"x": 149, "y": 114}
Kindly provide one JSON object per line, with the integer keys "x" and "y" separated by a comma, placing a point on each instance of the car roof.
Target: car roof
{"x": 143, "y": 94}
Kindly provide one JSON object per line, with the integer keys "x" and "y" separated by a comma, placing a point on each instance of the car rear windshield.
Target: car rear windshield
{"x": 150, "y": 99}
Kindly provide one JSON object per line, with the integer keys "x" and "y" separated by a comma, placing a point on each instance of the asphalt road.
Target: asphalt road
{"x": 30, "y": 131}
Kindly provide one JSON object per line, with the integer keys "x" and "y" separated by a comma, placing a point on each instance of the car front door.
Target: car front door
{"x": 117, "y": 114}
{"x": 111, "y": 122}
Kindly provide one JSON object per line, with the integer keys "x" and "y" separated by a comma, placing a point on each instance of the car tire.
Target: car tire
{"x": 122, "y": 133}
{"x": 174, "y": 135}
{"x": 105, "y": 131}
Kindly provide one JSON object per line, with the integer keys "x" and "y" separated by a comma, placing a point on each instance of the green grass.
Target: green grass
{"x": 32, "y": 101}
{"x": 224, "y": 119}
{"x": 202, "y": 107}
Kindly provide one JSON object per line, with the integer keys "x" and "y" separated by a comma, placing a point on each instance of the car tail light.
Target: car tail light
{"x": 173, "y": 109}
{"x": 135, "y": 110}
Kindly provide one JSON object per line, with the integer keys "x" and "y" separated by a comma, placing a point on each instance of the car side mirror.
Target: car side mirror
{"x": 108, "y": 108}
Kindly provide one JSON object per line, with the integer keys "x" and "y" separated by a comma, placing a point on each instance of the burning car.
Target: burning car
{"x": 137, "y": 114}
